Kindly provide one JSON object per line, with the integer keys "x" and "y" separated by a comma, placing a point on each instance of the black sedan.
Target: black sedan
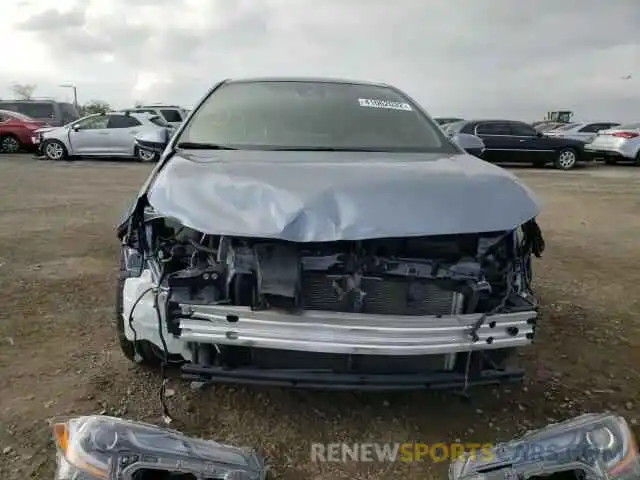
{"x": 508, "y": 141}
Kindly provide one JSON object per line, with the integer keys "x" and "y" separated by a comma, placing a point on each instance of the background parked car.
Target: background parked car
{"x": 16, "y": 131}
{"x": 101, "y": 135}
{"x": 518, "y": 142}
{"x": 619, "y": 144}
{"x": 447, "y": 120}
{"x": 584, "y": 131}
{"x": 50, "y": 112}
{"x": 547, "y": 126}
{"x": 172, "y": 114}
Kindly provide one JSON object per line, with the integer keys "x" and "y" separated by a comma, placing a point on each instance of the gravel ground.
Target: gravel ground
{"x": 58, "y": 255}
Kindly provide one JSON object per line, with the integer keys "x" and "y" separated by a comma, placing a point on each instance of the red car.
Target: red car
{"x": 16, "y": 131}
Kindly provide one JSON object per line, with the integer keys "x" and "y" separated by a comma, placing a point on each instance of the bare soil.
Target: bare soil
{"x": 58, "y": 260}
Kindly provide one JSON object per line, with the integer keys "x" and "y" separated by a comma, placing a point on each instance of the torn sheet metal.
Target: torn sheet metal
{"x": 331, "y": 196}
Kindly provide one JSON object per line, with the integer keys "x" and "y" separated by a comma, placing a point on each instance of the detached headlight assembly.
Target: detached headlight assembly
{"x": 106, "y": 448}
{"x": 601, "y": 445}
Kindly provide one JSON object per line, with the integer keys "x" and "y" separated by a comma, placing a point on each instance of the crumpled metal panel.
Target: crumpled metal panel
{"x": 331, "y": 196}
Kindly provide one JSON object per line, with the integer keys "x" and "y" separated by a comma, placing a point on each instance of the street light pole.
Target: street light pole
{"x": 75, "y": 93}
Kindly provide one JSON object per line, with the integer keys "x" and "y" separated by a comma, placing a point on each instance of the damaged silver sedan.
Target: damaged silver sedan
{"x": 326, "y": 234}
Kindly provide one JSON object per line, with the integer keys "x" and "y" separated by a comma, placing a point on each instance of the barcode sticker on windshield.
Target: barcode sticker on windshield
{"x": 368, "y": 102}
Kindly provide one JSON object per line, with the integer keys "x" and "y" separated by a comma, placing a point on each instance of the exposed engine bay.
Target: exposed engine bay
{"x": 381, "y": 308}
{"x": 439, "y": 275}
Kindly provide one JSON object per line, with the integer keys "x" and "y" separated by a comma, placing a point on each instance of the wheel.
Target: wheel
{"x": 146, "y": 156}
{"x": 10, "y": 144}
{"x": 566, "y": 159}
{"x": 148, "y": 354}
{"x": 636, "y": 161}
{"x": 611, "y": 161}
{"x": 54, "y": 150}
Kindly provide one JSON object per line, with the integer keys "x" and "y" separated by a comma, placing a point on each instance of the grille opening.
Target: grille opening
{"x": 382, "y": 296}
{"x": 566, "y": 475}
{"x": 152, "y": 474}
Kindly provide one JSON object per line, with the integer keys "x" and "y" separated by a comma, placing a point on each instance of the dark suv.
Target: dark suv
{"x": 511, "y": 141}
{"x": 50, "y": 112}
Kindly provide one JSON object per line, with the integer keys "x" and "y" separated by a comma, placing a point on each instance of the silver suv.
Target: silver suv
{"x": 172, "y": 114}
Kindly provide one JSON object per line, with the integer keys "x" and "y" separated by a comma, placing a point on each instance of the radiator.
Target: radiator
{"x": 391, "y": 296}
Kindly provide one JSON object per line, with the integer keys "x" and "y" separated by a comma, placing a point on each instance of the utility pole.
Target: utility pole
{"x": 75, "y": 93}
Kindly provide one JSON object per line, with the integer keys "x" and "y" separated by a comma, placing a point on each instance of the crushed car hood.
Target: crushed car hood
{"x": 331, "y": 196}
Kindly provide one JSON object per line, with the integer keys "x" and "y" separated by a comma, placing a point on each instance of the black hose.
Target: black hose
{"x": 130, "y": 320}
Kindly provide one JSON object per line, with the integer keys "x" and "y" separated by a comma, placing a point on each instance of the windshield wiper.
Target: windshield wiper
{"x": 324, "y": 149}
{"x": 203, "y": 146}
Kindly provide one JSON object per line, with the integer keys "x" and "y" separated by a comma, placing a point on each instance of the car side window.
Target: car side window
{"x": 492, "y": 128}
{"x": 592, "y": 128}
{"x": 122, "y": 121}
{"x": 37, "y": 109}
{"x": 171, "y": 115}
{"x": 522, "y": 130}
{"x": 68, "y": 112}
{"x": 469, "y": 128}
{"x": 158, "y": 120}
{"x": 93, "y": 123}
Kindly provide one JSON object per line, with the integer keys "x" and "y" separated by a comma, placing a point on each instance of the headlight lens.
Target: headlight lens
{"x": 602, "y": 441}
{"x": 99, "y": 447}
{"x": 614, "y": 443}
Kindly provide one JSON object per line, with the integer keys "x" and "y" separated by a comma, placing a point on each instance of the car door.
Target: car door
{"x": 90, "y": 136}
{"x": 500, "y": 145}
{"x": 533, "y": 146}
{"x": 122, "y": 131}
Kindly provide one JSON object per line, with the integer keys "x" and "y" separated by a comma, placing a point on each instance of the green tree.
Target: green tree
{"x": 95, "y": 106}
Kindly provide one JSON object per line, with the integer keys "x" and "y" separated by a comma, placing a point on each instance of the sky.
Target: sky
{"x": 470, "y": 58}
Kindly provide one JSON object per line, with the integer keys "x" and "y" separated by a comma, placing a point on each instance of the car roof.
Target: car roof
{"x": 132, "y": 114}
{"x": 305, "y": 79}
{"x": 161, "y": 105}
{"x": 494, "y": 120}
{"x": 582, "y": 123}
{"x": 31, "y": 100}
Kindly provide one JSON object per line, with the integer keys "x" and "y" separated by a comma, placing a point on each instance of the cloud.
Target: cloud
{"x": 469, "y": 58}
{"x": 53, "y": 20}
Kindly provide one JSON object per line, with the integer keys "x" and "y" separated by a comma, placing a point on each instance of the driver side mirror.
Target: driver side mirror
{"x": 470, "y": 143}
{"x": 539, "y": 134}
{"x": 75, "y": 127}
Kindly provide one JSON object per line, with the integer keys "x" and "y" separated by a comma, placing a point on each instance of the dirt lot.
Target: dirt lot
{"x": 58, "y": 355}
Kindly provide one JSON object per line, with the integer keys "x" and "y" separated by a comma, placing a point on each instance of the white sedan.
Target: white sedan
{"x": 100, "y": 135}
{"x": 583, "y": 131}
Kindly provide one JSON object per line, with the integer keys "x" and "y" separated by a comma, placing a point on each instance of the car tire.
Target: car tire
{"x": 147, "y": 354}
{"x": 611, "y": 161}
{"x": 54, "y": 150}
{"x": 566, "y": 159}
{"x": 10, "y": 144}
{"x": 145, "y": 156}
{"x": 636, "y": 161}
